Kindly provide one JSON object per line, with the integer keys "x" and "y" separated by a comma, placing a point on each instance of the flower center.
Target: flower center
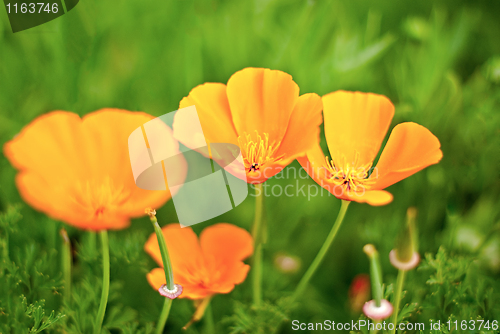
{"x": 98, "y": 197}
{"x": 257, "y": 151}
{"x": 349, "y": 175}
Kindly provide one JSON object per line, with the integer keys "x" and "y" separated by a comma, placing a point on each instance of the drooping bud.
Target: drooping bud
{"x": 405, "y": 255}
{"x": 151, "y": 213}
{"x": 406, "y": 240}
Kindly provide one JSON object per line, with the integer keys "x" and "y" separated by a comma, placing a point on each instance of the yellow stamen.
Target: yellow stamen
{"x": 351, "y": 176}
{"x": 257, "y": 153}
{"x": 150, "y": 212}
{"x": 99, "y": 197}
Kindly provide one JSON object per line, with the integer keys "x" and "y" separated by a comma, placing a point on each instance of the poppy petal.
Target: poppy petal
{"x": 84, "y": 166}
{"x": 314, "y": 164}
{"x": 355, "y": 125}
{"x": 261, "y": 100}
{"x": 113, "y": 159}
{"x": 372, "y": 197}
{"x": 410, "y": 148}
{"x": 156, "y": 278}
{"x": 66, "y": 208}
{"x": 212, "y": 266}
{"x": 270, "y": 170}
{"x": 212, "y": 106}
{"x": 303, "y": 130}
{"x": 226, "y": 243}
{"x": 183, "y": 248}
{"x": 235, "y": 274}
{"x": 106, "y": 134}
{"x": 48, "y": 146}
{"x": 195, "y": 292}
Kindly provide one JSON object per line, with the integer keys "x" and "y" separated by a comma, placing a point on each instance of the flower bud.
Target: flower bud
{"x": 151, "y": 213}
{"x": 287, "y": 264}
{"x": 405, "y": 255}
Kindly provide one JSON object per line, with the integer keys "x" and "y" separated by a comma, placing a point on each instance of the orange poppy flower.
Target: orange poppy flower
{"x": 77, "y": 170}
{"x": 212, "y": 265}
{"x": 259, "y": 110}
{"x": 355, "y": 126}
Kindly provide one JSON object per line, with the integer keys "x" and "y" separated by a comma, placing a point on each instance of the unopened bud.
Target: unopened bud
{"x": 369, "y": 250}
{"x": 287, "y": 263}
{"x": 405, "y": 255}
{"x": 406, "y": 242}
{"x": 150, "y": 212}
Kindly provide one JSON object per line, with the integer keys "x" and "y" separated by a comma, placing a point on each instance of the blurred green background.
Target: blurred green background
{"x": 438, "y": 61}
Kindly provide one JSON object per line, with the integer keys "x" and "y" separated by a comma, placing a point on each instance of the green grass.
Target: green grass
{"x": 439, "y": 62}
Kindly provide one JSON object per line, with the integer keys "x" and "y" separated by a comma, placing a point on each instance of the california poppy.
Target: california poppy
{"x": 212, "y": 265}
{"x": 355, "y": 126}
{"x": 77, "y": 170}
{"x": 259, "y": 110}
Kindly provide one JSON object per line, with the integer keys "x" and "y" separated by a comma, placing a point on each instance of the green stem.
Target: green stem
{"x": 167, "y": 266}
{"x": 375, "y": 275}
{"x": 257, "y": 275}
{"x": 66, "y": 264}
{"x": 374, "y": 329}
{"x": 209, "y": 320}
{"x": 163, "y": 316}
{"x": 257, "y": 224}
{"x": 257, "y": 234}
{"x": 322, "y": 252}
{"x": 105, "y": 281}
{"x": 6, "y": 245}
{"x": 397, "y": 298}
{"x": 92, "y": 241}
